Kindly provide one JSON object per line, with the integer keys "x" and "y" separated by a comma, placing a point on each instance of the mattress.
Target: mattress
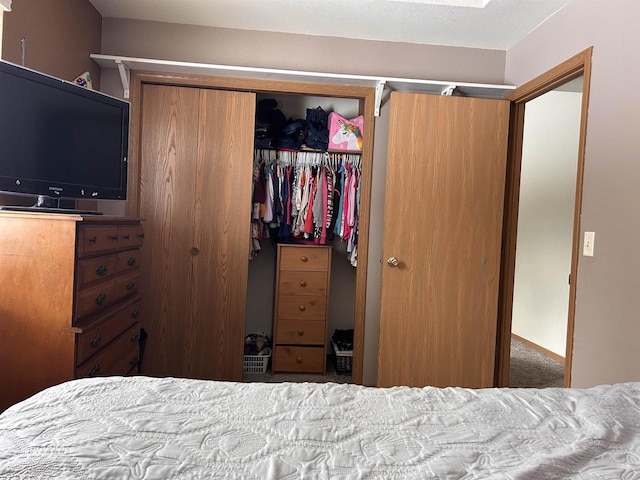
{"x": 168, "y": 428}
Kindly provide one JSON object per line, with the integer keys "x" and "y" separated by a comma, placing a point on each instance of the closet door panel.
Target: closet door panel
{"x": 443, "y": 222}
{"x": 221, "y": 233}
{"x": 169, "y": 129}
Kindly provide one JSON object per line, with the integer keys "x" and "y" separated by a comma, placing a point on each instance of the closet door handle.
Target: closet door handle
{"x": 393, "y": 262}
{"x": 303, "y": 283}
{"x": 304, "y": 259}
{"x": 302, "y": 308}
{"x": 195, "y": 251}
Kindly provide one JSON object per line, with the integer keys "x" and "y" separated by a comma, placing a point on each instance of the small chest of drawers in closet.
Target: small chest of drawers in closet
{"x": 301, "y": 306}
{"x": 107, "y": 300}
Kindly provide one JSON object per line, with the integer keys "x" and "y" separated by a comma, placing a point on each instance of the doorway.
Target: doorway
{"x": 541, "y": 233}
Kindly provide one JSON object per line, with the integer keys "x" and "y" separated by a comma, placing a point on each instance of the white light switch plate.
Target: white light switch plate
{"x": 587, "y": 247}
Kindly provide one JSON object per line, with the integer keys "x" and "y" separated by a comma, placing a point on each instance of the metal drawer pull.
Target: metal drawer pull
{"x": 301, "y": 332}
{"x": 135, "y": 313}
{"x": 96, "y": 340}
{"x": 132, "y": 261}
{"x": 100, "y": 299}
{"x": 101, "y": 270}
{"x": 94, "y": 371}
{"x": 134, "y": 361}
{"x": 135, "y": 337}
{"x": 131, "y": 285}
{"x": 303, "y": 283}
{"x": 140, "y": 235}
{"x": 303, "y": 258}
{"x": 93, "y": 239}
{"x": 126, "y": 236}
{"x": 114, "y": 238}
{"x": 302, "y": 308}
{"x": 299, "y": 359}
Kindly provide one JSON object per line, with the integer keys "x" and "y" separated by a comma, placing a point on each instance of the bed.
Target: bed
{"x": 168, "y": 428}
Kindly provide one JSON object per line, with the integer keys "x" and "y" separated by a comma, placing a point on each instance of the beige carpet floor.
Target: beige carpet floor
{"x": 530, "y": 368}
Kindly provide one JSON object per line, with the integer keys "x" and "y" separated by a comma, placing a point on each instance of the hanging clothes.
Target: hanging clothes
{"x": 310, "y": 197}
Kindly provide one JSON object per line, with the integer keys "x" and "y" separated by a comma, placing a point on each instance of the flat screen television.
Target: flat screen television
{"x": 59, "y": 140}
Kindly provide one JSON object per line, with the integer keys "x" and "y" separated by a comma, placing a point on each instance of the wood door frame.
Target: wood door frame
{"x": 579, "y": 64}
{"x": 366, "y": 97}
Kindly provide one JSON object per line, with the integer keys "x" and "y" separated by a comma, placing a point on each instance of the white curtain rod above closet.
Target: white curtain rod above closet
{"x": 125, "y": 64}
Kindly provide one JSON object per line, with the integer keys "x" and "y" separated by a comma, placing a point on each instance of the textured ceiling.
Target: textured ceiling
{"x": 499, "y": 25}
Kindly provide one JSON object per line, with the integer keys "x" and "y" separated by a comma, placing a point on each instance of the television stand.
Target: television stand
{"x": 34, "y": 209}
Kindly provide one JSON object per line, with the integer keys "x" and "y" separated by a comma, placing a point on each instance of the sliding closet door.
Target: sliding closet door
{"x": 222, "y": 230}
{"x": 195, "y": 181}
{"x": 442, "y": 239}
{"x": 169, "y": 151}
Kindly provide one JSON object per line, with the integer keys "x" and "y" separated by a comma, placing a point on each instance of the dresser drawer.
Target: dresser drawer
{"x": 303, "y": 307}
{"x": 300, "y": 282}
{"x": 96, "y": 239}
{"x": 130, "y": 236}
{"x": 95, "y": 299}
{"x": 101, "y": 332}
{"x": 304, "y": 258}
{"x": 92, "y": 269}
{"x": 127, "y": 284}
{"x": 128, "y": 260}
{"x": 302, "y": 332}
{"x": 100, "y": 297}
{"x": 299, "y": 359}
{"x": 117, "y": 358}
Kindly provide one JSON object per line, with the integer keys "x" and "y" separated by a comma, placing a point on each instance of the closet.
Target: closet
{"x": 192, "y": 183}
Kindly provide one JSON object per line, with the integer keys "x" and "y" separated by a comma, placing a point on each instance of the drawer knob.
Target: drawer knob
{"x": 114, "y": 238}
{"x": 302, "y": 308}
{"x": 93, "y": 239}
{"x": 101, "y": 299}
{"x": 131, "y": 285}
{"x": 298, "y": 359}
{"x": 135, "y": 337}
{"x": 140, "y": 235}
{"x": 101, "y": 270}
{"x": 135, "y": 313}
{"x": 132, "y": 261}
{"x": 134, "y": 361}
{"x": 301, "y": 332}
{"x": 303, "y": 283}
{"x": 304, "y": 259}
{"x": 96, "y": 340}
{"x": 94, "y": 371}
{"x": 126, "y": 236}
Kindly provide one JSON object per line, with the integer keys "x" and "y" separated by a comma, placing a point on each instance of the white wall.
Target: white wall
{"x": 545, "y": 219}
{"x": 607, "y": 327}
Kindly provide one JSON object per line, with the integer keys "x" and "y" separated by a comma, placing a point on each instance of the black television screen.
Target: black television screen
{"x": 60, "y": 140}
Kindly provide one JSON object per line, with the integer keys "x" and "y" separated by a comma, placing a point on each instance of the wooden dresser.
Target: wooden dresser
{"x": 301, "y": 306}
{"x": 69, "y": 299}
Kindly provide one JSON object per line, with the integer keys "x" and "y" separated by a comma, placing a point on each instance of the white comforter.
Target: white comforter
{"x": 138, "y": 427}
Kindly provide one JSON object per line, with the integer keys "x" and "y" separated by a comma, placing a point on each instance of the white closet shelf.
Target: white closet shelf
{"x": 125, "y": 64}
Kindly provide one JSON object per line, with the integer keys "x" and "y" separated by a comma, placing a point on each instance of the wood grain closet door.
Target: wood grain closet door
{"x": 443, "y": 222}
{"x": 195, "y": 178}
